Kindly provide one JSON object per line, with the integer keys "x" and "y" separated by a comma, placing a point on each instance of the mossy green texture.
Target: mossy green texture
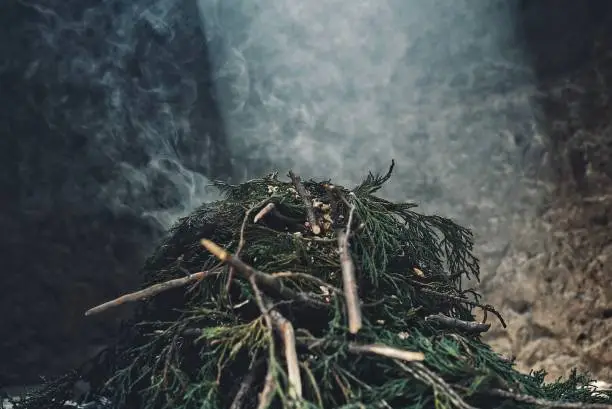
{"x": 208, "y": 345}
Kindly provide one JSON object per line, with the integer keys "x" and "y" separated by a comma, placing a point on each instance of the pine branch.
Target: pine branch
{"x": 549, "y": 404}
{"x": 439, "y": 385}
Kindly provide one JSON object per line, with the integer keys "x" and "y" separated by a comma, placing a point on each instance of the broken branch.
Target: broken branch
{"x": 242, "y": 242}
{"x": 285, "y": 329}
{"x": 484, "y": 307}
{"x": 386, "y": 351}
{"x": 246, "y": 385}
{"x": 263, "y": 279}
{"x": 306, "y": 199}
{"x": 267, "y": 393}
{"x": 148, "y": 292}
{"x": 472, "y": 327}
{"x": 275, "y": 319}
{"x": 369, "y": 349}
{"x": 348, "y": 278}
{"x": 263, "y": 212}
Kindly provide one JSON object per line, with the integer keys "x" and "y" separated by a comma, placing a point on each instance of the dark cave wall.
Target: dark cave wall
{"x": 77, "y": 102}
{"x": 569, "y": 44}
{"x": 553, "y": 284}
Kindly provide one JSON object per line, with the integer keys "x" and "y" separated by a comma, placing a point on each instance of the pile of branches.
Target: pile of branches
{"x": 291, "y": 293}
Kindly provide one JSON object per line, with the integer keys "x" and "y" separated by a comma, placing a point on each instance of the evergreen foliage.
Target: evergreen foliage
{"x": 269, "y": 324}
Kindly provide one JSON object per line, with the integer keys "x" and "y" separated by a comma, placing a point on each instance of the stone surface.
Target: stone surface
{"x": 554, "y": 283}
{"x": 99, "y": 106}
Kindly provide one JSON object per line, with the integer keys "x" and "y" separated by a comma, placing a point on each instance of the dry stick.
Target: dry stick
{"x": 271, "y": 210}
{"x": 285, "y": 328}
{"x": 245, "y": 386}
{"x": 546, "y": 403}
{"x": 305, "y": 195}
{"x": 242, "y": 242}
{"x": 148, "y": 292}
{"x": 263, "y": 212}
{"x": 265, "y": 396}
{"x": 290, "y": 274}
{"x": 262, "y": 279}
{"x": 348, "y": 278}
{"x": 463, "y": 300}
{"x": 468, "y": 326}
{"x": 275, "y": 319}
{"x": 370, "y": 349}
{"x": 386, "y": 351}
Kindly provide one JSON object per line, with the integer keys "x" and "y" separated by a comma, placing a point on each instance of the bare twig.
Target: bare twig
{"x": 544, "y": 402}
{"x": 265, "y": 397}
{"x": 386, "y": 351}
{"x": 275, "y": 319}
{"x": 246, "y": 385}
{"x": 348, "y": 278}
{"x": 242, "y": 242}
{"x": 273, "y": 211}
{"x": 149, "y": 291}
{"x": 484, "y": 307}
{"x": 370, "y": 349}
{"x": 467, "y": 326}
{"x": 285, "y": 328}
{"x": 290, "y": 274}
{"x": 263, "y": 212}
{"x": 265, "y": 280}
{"x": 260, "y": 302}
{"x": 306, "y": 199}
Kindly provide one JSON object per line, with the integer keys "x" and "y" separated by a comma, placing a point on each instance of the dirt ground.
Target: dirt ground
{"x": 554, "y": 287}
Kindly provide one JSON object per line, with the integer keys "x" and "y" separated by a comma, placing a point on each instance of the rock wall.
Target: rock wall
{"x": 108, "y": 126}
{"x": 554, "y": 282}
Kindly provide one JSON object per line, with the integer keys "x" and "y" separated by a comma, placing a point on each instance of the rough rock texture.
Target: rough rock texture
{"x": 75, "y": 102}
{"x": 555, "y": 288}
{"x": 555, "y": 281}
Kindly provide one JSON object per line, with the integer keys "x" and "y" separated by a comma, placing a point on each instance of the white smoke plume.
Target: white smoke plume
{"x": 330, "y": 88}
{"x": 131, "y": 79}
{"x": 335, "y": 88}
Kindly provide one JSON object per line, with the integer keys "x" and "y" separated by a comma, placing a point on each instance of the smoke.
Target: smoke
{"x": 330, "y": 88}
{"x": 340, "y": 87}
{"x": 129, "y": 81}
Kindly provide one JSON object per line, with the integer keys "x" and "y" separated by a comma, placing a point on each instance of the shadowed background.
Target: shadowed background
{"x": 115, "y": 116}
